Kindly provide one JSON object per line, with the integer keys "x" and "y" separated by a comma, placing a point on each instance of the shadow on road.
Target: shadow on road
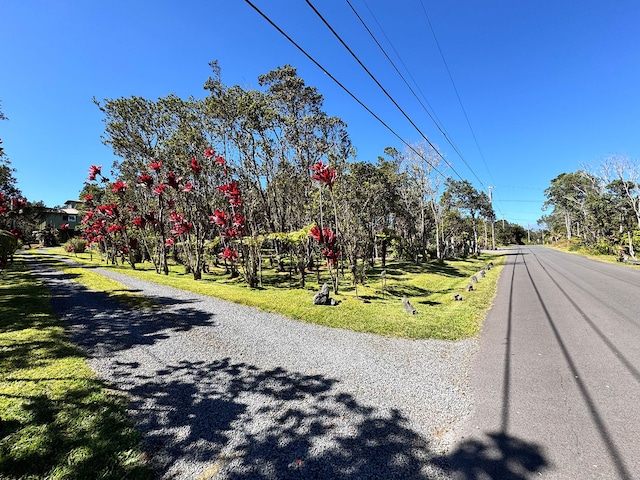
{"x": 498, "y": 456}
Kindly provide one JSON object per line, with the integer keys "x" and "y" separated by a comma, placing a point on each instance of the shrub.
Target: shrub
{"x": 77, "y": 245}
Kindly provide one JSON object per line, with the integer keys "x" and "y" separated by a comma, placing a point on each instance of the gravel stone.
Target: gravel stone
{"x": 225, "y": 391}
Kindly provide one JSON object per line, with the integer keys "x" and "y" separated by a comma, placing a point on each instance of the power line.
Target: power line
{"x": 436, "y": 122}
{"x": 431, "y": 116}
{"x": 381, "y": 87}
{"x": 304, "y": 52}
{"x": 455, "y": 89}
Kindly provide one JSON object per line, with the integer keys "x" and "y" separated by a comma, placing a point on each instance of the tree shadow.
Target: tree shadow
{"x": 245, "y": 422}
{"x": 99, "y": 323}
{"x": 499, "y": 456}
{"x": 406, "y": 290}
{"x": 49, "y": 438}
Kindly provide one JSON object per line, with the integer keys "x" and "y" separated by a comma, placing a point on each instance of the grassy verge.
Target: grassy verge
{"x": 57, "y": 420}
{"x": 430, "y": 289}
{"x": 567, "y": 247}
{"x": 94, "y": 281}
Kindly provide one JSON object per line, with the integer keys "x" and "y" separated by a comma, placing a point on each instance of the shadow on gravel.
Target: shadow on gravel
{"x": 500, "y": 456}
{"x": 242, "y": 422}
{"x": 101, "y": 325}
{"x": 232, "y": 420}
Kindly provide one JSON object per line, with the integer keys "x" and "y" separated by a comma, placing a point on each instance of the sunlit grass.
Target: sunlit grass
{"x": 430, "y": 288}
{"x": 57, "y": 419}
{"x": 94, "y": 281}
{"x": 566, "y": 247}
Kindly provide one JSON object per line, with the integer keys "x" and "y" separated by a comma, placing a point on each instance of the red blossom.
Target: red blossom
{"x": 197, "y": 168}
{"x": 115, "y": 228}
{"x": 209, "y": 153}
{"x": 64, "y": 226}
{"x": 188, "y": 187}
{"x": 172, "y": 181}
{"x": 331, "y": 255}
{"x": 160, "y": 188}
{"x": 119, "y": 187}
{"x": 232, "y": 193}
{"x": 329, "y": 238}
{"x": 94, "y": 170}
{"x": 87, "y": 218}
{"x": 219, "y": 218}
{"x": 221, "y": 161}
{"x": 155, "y": 166}
{"x": 181, "y": 228}
{"x": 88, "y": 198}
{"x": 169, "y": 242}
{"x": 229, "y": 254}
{"x": 69, "y": 248}
{"x": 231, "y": 233}
{"x": 19, "y": 203}
{"x": 324, "y": 174}
{"x": 145, "y": 179}
{"x": 110, "y": 210}
{"x": 316, "y": 234}
{"x": 139, "y": 222}
{"x": 238, "y": 220}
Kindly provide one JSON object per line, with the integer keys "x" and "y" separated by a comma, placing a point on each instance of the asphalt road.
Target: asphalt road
{"x": 556, "y": 382}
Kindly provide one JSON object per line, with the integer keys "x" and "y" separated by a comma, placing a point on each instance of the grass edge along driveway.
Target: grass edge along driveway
{"x": 430, "y": 288}
{"x": 56, "y": 419}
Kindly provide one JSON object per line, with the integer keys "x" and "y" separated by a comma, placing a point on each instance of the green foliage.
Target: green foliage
{"x": 8, "y": 243}
{"x": 58, "y": 421}
{"x": 602, "y": 247}
{"x": 429, "y": 286}
{"x": 76, "y": 245}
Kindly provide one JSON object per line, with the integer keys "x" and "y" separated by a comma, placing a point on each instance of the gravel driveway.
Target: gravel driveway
{"x": 229, "y": 392}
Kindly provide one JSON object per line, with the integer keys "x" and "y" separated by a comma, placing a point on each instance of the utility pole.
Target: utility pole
{"x": 493, "y": 220}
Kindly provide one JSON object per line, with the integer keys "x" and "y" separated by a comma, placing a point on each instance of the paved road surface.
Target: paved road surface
{"x": 557, "y": 379}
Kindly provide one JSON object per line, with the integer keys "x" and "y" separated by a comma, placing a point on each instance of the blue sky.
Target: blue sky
{"x": 547, "y": 86}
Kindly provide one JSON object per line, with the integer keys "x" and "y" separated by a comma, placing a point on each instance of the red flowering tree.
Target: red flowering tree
{"x": 107, "y": 225}
{"x": 325, "y": 237}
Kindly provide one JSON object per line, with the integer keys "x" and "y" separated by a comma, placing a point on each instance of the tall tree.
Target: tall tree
{"x": 462, "y": 196}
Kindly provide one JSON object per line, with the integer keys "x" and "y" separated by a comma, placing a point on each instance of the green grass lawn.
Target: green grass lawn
{"x": 57, "y": 421}
{"x": 429, "y": 287}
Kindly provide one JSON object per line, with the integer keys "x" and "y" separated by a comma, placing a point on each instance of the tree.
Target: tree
{"x": 461, "y": 195}
{"x": 421, "y": 163}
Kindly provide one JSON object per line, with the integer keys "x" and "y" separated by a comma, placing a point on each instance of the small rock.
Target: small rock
{"x": 408, "y": 307}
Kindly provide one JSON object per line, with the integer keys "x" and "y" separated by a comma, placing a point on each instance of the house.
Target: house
{"x": 67, "y": 214}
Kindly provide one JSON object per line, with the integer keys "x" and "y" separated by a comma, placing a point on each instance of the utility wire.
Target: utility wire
{"x": 436, "y": 121}
{"x": 440, "y": 128}
{"x": 304, "y": 52}
{"x": 401, "y": 61}
{"x": 456, "y": 90}
{"x": 381, "y": 87}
